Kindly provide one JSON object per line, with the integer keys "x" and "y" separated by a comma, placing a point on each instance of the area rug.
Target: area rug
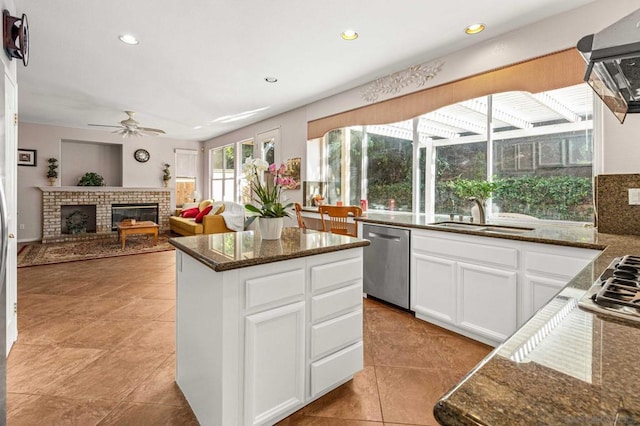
{"x": 46, "y": 254}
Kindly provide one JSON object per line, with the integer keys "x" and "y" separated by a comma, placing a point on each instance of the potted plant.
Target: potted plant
{"x": 166, "y": 176}
{"x": 52, "y": 173}
{"x": 267, "y": 195}
{"x": 91, "y": 179}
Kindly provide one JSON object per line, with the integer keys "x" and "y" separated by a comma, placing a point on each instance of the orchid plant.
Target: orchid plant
{"x": 267, "y": 194}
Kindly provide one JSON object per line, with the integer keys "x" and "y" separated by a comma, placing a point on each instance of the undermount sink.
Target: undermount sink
{"x": 503, "y": 229}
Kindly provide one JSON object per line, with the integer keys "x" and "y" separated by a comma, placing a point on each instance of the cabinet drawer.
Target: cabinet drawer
{"x": 330, "y": 335}
{"x": 333, "y": 302}
{"x": 563, "y": 262}
{"x": 324, "y": 276}
{"x": 471, "y": 249}
{"x": 336, "y": 368}
{"x": 263, "y": 290}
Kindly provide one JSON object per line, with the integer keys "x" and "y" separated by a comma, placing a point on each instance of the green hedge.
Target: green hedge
{"x": 553, "y": 197}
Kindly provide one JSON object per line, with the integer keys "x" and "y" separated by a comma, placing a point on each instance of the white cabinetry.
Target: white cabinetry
{"x": 256, "y": 344}
{"x": 484, "y": 287}
{"x": 465, "y": 283}
{"x": 547, "y": 269}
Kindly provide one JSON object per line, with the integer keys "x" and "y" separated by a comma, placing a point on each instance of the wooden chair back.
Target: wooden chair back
{"x": 301, "y": 223}
{"x": 338, "y": 219}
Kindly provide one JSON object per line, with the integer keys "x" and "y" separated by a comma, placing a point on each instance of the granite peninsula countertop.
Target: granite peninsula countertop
{"x": 232, "y": 250}
{"x": 565, "y": 365}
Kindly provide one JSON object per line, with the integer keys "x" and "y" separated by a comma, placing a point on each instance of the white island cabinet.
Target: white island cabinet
{"x": 265, "y": 327}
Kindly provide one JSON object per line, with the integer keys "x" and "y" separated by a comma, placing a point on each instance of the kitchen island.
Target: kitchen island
{"x": 264, "y": 327}
{"x": 564, "y": 365}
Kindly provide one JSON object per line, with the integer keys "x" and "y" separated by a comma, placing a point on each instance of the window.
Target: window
{"x": 223, "y": 176}
{"x": 227, "y": 179}
{"x": 536, "y": 148}
{"x": 186, "y": 172}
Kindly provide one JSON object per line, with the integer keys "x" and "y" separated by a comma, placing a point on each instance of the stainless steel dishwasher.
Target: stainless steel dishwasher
{"x": 386, "y": 264}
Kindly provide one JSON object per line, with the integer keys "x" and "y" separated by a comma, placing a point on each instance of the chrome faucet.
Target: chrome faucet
{"x": 480, "y": 208}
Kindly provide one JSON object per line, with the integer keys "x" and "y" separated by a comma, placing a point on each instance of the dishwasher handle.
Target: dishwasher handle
{"x": 383, "y": 236}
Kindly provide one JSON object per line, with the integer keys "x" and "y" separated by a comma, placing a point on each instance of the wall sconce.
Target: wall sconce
{"x": 15, "y": 36}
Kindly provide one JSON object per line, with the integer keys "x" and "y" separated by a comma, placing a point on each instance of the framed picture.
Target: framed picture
{"x": 27, "y": 157}
{"x": 293, "y": 170}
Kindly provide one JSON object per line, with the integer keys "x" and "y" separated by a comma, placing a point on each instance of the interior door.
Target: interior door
{"x": 10, "y": 122}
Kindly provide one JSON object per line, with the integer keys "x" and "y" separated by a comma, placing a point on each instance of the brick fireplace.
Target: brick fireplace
{"x": 102, "y": 197}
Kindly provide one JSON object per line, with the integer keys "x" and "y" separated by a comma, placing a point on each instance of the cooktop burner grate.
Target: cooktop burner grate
{"x": 617, "y": 291}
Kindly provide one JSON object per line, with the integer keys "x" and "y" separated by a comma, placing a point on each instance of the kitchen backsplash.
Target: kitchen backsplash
{"x": 614, "y": 215}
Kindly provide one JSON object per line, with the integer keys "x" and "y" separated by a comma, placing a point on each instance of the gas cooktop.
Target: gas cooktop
{"x": 617, "y": 291}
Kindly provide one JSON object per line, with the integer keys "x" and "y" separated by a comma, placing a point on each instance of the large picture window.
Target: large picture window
{"x": 535, "y": 148}
{"x": 227, "y": 179}
{"x": 186, "y": 173}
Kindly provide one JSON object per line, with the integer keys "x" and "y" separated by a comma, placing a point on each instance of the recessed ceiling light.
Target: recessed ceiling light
{"x": 270, "y": 79}
{"x": 349, "y": 35}
{"x": 128, "y": 38}
{"x": 474, "y": 28}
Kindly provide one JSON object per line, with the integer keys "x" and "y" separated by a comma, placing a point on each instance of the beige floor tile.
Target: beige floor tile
{"x": 302, "y": 420}
{"x": 407, "y": 395}
{"x": 411, "y": 348}
{"x": 29, "y": 410}
{"x": 160, "y": 387}
{"x": 170, "y": 315}
{"x": 39, "y": 369}
{"x": 355, "y": 400}
{"x": 153, "y": 336}
{"x": 103, "y": 333}
{"x": 143, "y": 309}
{"x": 151, "y": 415}
{"x": 111, "y": 377}
{"x": 50, "y": 330}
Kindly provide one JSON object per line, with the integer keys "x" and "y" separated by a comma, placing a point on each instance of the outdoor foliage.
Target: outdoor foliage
{"x": 544, "y": 197}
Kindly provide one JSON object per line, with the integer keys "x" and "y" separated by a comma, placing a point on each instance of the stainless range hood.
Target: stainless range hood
{"x": 613, "y": 64}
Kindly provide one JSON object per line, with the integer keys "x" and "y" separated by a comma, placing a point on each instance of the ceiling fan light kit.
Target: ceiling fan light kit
{"x": 131, "y": 127}
{"x": 15, "y": 36}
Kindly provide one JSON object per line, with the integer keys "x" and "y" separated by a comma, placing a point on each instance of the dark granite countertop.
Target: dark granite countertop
{"x": 232, "y": 250}
{"x": 542, "y": 232}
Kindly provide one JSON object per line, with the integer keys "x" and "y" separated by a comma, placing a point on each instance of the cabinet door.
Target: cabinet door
{"x": 538, "y": 291}
{"x": 487, "y": 299}
{"x": 433, "y": 289}
{"x": 274, "y": 362}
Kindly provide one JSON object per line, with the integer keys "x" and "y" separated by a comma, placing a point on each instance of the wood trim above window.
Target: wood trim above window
{"x": 553, "y": 71}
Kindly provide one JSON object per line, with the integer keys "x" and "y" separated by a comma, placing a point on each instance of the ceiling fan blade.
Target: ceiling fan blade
{"x": 151, "y": 130}
{"x": 104, "y": 125}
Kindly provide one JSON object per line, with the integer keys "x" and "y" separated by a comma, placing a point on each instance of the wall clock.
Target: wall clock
{"x": 141, "y": 155}
{"x": 15, "y": 36}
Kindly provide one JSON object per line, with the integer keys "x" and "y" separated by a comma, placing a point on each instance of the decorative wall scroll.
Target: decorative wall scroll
{"x": 393, "y": 83}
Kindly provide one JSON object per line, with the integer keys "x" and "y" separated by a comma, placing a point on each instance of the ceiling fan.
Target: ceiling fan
{"x": 131, "y": 127}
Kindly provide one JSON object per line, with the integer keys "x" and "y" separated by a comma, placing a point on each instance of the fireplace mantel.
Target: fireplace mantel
{"x": 99, "y": 189}
{"x": 103, "y": 197}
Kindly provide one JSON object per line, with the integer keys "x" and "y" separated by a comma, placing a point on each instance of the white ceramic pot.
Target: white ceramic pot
{"x": 271, "y": 227}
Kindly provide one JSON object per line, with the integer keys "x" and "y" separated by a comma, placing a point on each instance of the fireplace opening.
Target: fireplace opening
{"x": 139, "y": 212}
{"x": 78, "y": 219}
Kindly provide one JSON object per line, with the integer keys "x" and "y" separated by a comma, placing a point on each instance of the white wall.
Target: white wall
{"x": 47, "y": 140}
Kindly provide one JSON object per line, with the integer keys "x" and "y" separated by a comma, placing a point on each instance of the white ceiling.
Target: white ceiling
{"x": 199, "y": 60}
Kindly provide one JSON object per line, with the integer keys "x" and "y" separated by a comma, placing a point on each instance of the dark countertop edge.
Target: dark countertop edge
{"x": 227, "y": 266}
{"x": 503, "y": 236}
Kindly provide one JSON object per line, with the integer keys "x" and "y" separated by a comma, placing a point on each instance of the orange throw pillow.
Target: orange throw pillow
{"x": 203, "y": 213}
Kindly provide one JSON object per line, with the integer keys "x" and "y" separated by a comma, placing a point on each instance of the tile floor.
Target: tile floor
{"x": 96, "y": 346}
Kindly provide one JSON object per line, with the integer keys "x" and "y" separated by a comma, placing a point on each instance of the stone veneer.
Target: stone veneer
{"x": 102, "y": 197}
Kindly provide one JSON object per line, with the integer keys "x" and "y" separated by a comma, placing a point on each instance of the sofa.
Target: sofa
{"x": 212, "y": 223}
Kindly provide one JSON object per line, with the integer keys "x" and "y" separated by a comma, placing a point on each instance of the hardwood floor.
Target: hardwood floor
{"x": 96, "y": 346}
